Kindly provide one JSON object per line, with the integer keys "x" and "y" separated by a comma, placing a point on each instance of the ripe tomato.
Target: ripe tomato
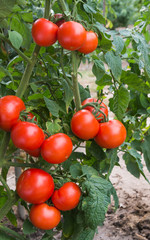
{"x": 71, "y": 35}
{"x": 104, "y": 108}
{"x": 27, "y": 136}
{"x": 84, "y": 125}
{"x": 44, "y": 216}
{"x": 10, "y": 108}
{"x": 59, "y": 19}
{"x": 34, "y": 153}
{"x": 57, "y": 148}
{"x": 35, "y": 186}
{"x": 67, "y": 197}
{"x": 31, "y": 116}
{"x": 90, "y": 43}
{"x": 44, "y": 32}
{"x": 111, "y": 134}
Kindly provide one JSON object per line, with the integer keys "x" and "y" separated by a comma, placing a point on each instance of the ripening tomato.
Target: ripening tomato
{"x": 44, "y": 32}
{"x": 31, "y": 116}
{"x": 71, "y": 35}
{"x": 90, "y": 43}
{"x": 57, "y": 148}
{"x": 111, "y": 134}
{"x": 67, "y": 197}
{"x": 10, "y": 108}
{"x": 44, "y": 216}
{"x": 84, "y": 125}
{"x": 27, "y": 136}
{"x": 103, "y": 108}
{"x": 59, "y": 19}
{"x": 35, "y": 186}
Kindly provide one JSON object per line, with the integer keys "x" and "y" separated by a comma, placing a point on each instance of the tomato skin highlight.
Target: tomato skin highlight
{"x": 10, "y": 108}
{"x": 111, "y": 134}
{"x": 44, "y": 32}
{"x": 35, "y": 186}
{"x": 44, "y": 217}
{"x": 90, "y": 43}
{"x": 27, "y": 136}
{"x": 71, "y": 35}
{"x": 104, "y": 108}
{"x": 57, "y": 148}
{"x": 84, "y": 125}
{"x": 67, "y": 197}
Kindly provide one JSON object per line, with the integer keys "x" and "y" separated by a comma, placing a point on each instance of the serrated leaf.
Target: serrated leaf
{"x": 28, "y": 227}
{"x": 97, "y": 151}
{"x": 53, "y": 127}
{"x": 84, "y": 92}
{"x": 145, "y": 149}
{"x": 88, "y": 8}
{"x": 131, "y": 164}
{"x": 104, "y": 81}
{"x": 15, "y": 38}
{"x": 119, "y": 44}
{"x": 89, "y": 171}
{"x": 75, "y": 170}
{"x": 86, "y": 233}
{"x": 98, "y": 69}
{"x": 52, "y": 106}
{"x": 134, "y": 82}
{"x": 114, "y": 63}
{"x": 119, "y": 102}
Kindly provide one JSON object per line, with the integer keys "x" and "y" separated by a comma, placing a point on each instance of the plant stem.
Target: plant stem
{"x": 4, "y": 144}
{"x": 47, "y": 9}
{"x": 12, "y": 233}
{"x": 2, "y": 180}
{"x": 21, "y": 54}
{"x": 76, "y": 91}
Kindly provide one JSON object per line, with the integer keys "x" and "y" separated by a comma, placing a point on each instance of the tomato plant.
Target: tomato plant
{"x": 44, "y": 32}
{"x": 44, "y": 217}
{"x": 35, "y": 186}
{"x": 67, "y": 197}
{"x": 71, "y": 35}
{"x": 27, "y": 136}
{"x": 84, "y": 125}
{"x": 111, "y": 134}
{"x": 90, "y": 43}
{"x": 102, "y": 108}
{"x": 57, "y": 148}
{"x": 10, "y": 108}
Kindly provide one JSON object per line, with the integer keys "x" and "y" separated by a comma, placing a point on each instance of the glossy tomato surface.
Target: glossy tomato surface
{"x": 90, "y": 43}
{"x": 10, "y": 108}
{"x": 35, "y": 186}
{"x": 111, "y": 134}
{"x": 44, "y": 32}
{"x": 44, "y": 216}
{"x": 27, "y": 136}
{"x": 103, "y": 108}
{"x": 71, "y": 35}
{"x": 57, "y": 148}
{"x": 67, "y": 197}
{"x": 84, "y": 125}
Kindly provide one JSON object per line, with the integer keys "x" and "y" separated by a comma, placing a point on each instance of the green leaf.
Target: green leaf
{"x": 6, "y": 7}
{"x": 113, "y": 158}
{"x": 15, "y": 38}
{"x": 119, "y": 102}
{"x": 89, "y": 8}
{"x": 86, "y": 233}
{"x": 75, "y": 170}
{"x": 68, "y": 224}
{"x": 114, "y": 63}
{"x": 52, "y": 106}
{"x": 89, "y": 171}
{"x": 131, "y": 164}
{"x": 134, "y": 82}
{"x": 97, "y": 151}
{"x": 146, "y": 151}
{"x": 98, "y": 69}
{"x": 68, "y": 93}
{"x": 4, "y": 72}
{"x": 84, "y": 92}
{"x": 28, "y": 228}
{"x": 119, "y": 44}
{"x": 5, "y": 236}
{"x": 27, "y": 16}
{"x": 12, "y": 218}
{"x": 53, "y": 127}
{"x": 104, "y": 81}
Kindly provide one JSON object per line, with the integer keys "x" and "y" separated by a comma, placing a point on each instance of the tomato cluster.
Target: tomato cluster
{"x": 71, "y": 35}
{"x": 34, "y": 185}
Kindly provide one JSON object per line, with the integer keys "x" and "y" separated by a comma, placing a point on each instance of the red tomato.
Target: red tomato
{"x": 27, "y": 136}
{"x": 34, "y": 153}
{"x": 57, "y": 148}
{"x": 44, "y": 217}
{"x": 84, "y": 125}
{"x": 111, "y": 134}
{"x": 104, "y": 108}
{"x": 67, "y": 197}
{"x": 10, "y": 108}
{"x": 35, "y": 186}
{"x": 71, "y": 35}
{"x": 90, "y": 43}
{"x": 44, "y": 32}
{"x": 58, "y": 16}
{"x": 31, "y": 116}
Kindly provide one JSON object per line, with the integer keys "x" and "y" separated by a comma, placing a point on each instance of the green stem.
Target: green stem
{"x": 2, "y": 180}
{"x": 17, "y": 164}
{"x": 12, "y": 233}
{"x": 64, "y": 9}
{"x": 21, "y": 54}
{"x": 47, "y": 9}
{"x": 4, "y": 145}
{"x": 76, "y": 91}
